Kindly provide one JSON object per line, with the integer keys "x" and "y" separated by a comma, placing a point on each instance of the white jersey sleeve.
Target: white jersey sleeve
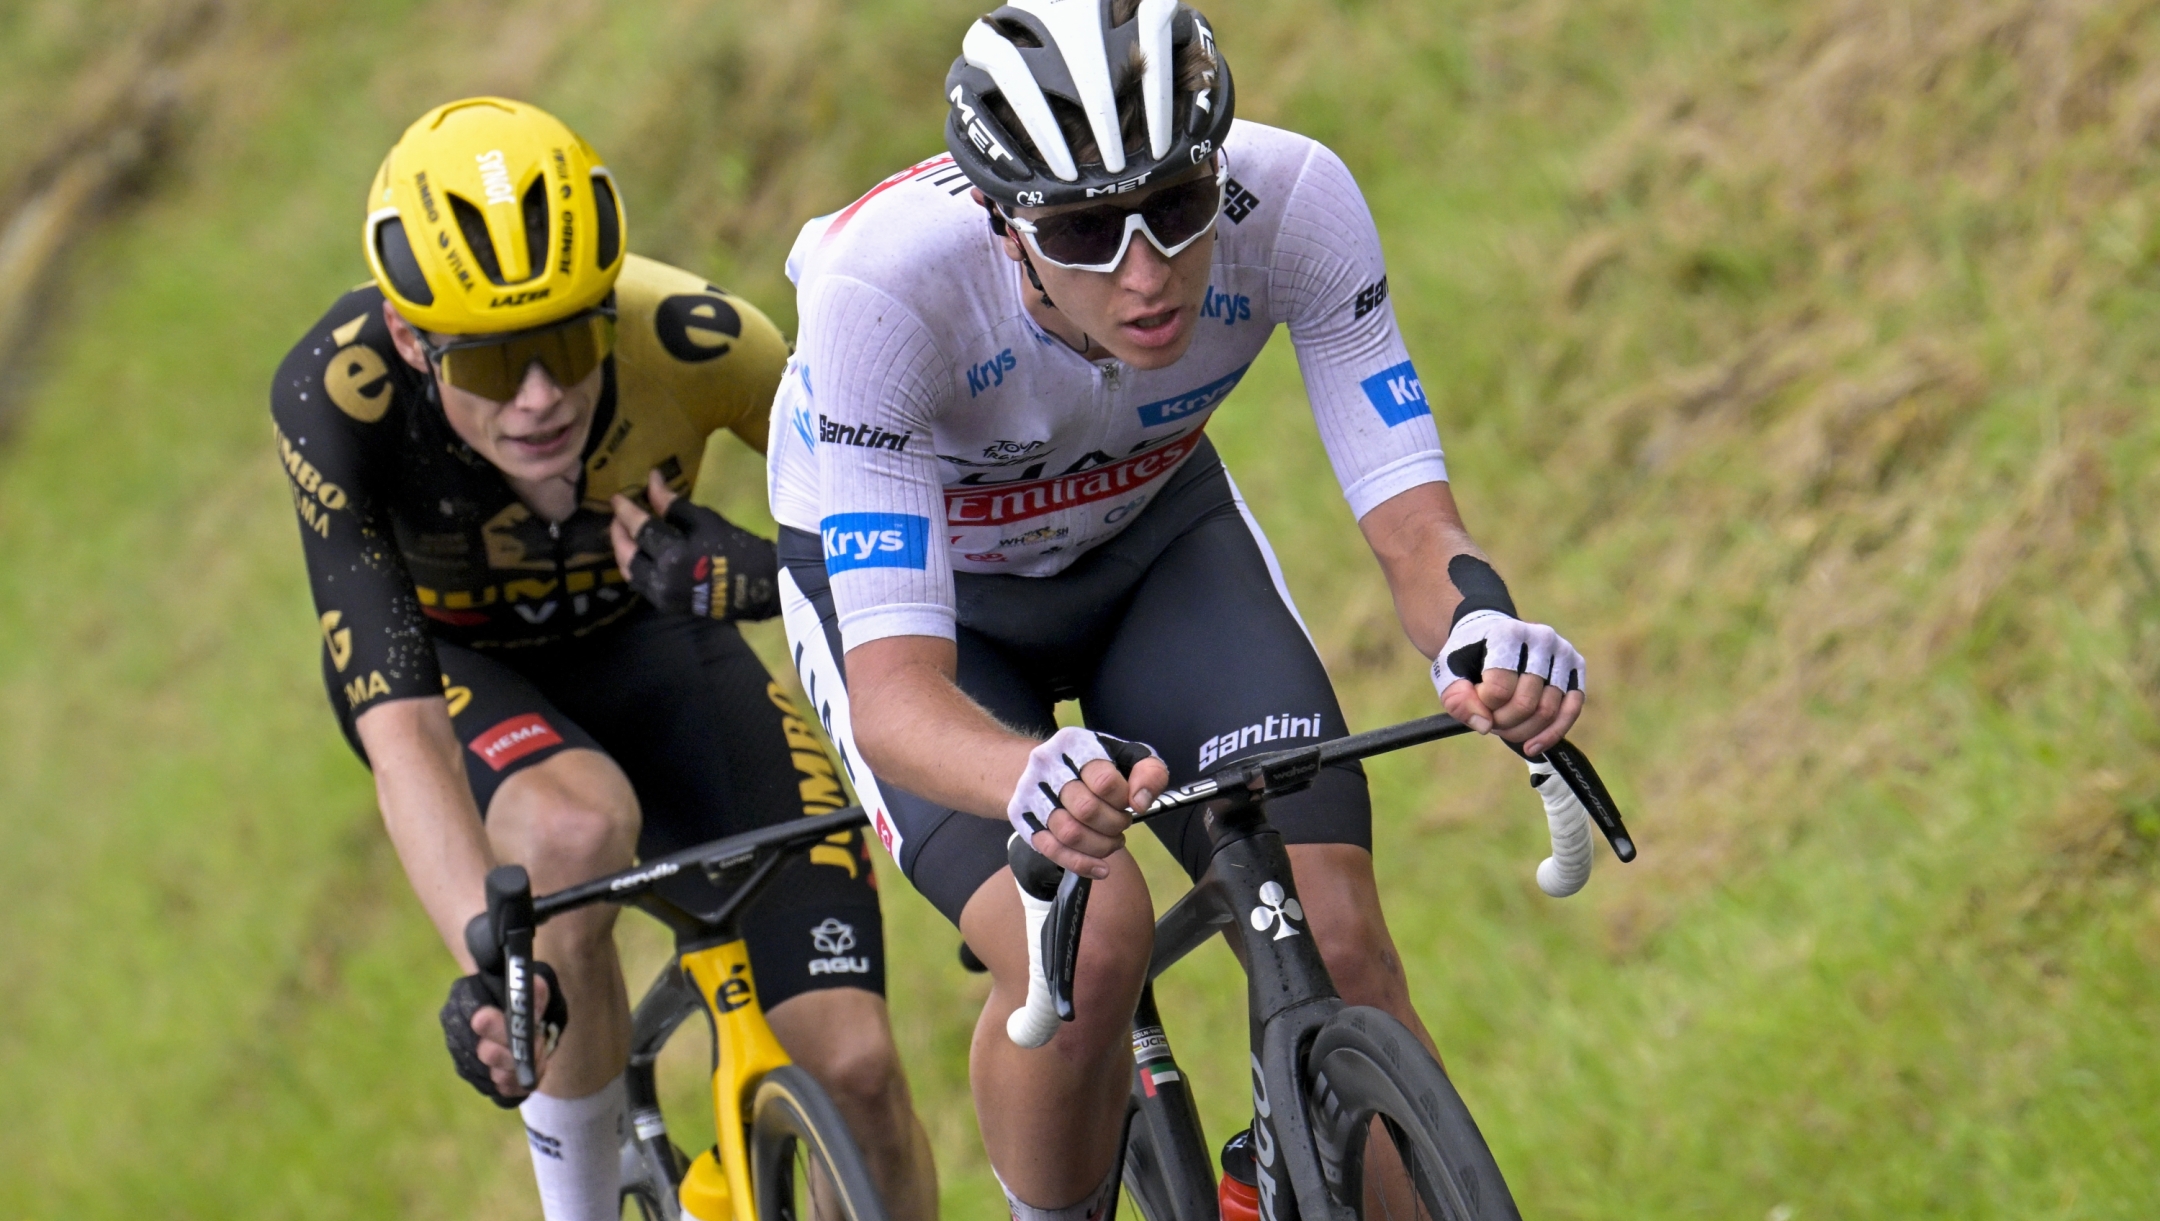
{"x": 1329, "y": 283}
{"x": 875, "y": 375}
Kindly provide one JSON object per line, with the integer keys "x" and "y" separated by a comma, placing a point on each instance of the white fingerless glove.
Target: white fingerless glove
{"x": 1057, "y": 763}
{"x": 1490, "y": 640}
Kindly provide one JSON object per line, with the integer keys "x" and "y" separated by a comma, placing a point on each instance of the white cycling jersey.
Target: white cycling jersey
{"x": 927, "y": 425}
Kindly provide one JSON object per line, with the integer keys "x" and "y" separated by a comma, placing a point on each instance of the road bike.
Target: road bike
{"x": 783, "y": 1152}
{"x": 1326, "y": 1077}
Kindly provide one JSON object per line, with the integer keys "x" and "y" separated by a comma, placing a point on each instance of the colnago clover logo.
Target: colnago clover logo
{"x": 875, "y": 540}
{"x": 1397, "y": 394}
{"x": 1277, "y": 909}
{"x": 834, "y": 938}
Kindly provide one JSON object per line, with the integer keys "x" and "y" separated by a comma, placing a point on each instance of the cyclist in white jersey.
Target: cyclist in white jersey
{"x": 989, "y": 462}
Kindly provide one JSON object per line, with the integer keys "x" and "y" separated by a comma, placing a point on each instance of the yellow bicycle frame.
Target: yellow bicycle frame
{"x": 747, "y": 1051}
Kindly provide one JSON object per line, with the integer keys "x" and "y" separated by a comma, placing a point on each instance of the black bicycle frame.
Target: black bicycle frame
{"x": 1289, "y": 995}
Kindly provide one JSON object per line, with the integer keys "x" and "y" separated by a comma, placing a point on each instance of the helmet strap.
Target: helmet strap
{"x": 1002, "y": 231}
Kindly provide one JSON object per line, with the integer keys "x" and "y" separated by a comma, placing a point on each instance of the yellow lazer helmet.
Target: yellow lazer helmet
{"x": 490, "y": 215}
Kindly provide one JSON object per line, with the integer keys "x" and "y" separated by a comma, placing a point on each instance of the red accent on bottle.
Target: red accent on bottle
{"x": 1239, "y": 1201}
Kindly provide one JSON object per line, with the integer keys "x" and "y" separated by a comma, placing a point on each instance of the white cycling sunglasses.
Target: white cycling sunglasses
{"x": 1096, "y": 238}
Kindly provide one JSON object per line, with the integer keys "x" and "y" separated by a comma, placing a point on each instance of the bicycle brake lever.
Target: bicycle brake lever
{"x": 1061, "y": 939}
{"x": 1574, "y": 767}
{"x": 510, "y": 921}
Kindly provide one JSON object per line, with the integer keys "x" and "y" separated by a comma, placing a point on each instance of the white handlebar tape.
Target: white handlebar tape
{"x": 1033, "y": 1024}
{"x": 1568, "y": 868}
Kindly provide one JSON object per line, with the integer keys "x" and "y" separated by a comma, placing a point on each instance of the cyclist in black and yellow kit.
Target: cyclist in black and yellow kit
{"x": 537, "y": 668}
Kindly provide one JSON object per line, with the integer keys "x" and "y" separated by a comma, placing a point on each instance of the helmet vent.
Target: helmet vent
{"x": 1015, "y": 33}
{"x": 536, "y": 229}
{"x": 474, "y": 227}
{"x": 609, "y": 234}
{"x": 394, "y": 251}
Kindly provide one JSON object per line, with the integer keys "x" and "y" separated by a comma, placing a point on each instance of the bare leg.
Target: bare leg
{"x": 843, "y": 1037}
{"x": 1051, "y": 1117}
{"x": 567, "y": 820}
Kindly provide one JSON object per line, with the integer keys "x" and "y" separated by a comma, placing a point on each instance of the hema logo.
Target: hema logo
{"x": 1397, "y": 394}
{"x": 875, "y": 540}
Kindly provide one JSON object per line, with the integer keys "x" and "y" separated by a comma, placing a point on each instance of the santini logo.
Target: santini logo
{"x": 1273, "y": 729}
{"x": 867, "y": 436}
{"x": 875, "y": 540}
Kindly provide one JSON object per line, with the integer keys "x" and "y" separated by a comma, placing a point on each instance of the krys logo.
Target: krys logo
{"x": 1397, "y": 394}
{"x": 1231, "y": 309}
{"x": 990, "y": 374}
{"x": 875, "y": 540}
{"x": 1192, "y": 402}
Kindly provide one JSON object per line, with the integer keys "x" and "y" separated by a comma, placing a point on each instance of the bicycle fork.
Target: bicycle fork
{"x": 746, "y": 1050}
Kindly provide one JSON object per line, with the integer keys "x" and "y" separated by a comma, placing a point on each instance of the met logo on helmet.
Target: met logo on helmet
{"x": 977, "y": 134}
{"x": 1119, "y": 188}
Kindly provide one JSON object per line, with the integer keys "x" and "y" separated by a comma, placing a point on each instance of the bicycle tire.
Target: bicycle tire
{"x": 795, "y": 1132}
{"x": 1365, "y": 1066}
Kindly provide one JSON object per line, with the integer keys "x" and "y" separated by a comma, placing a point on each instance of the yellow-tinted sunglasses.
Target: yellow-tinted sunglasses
{"x": 493, "y": 366}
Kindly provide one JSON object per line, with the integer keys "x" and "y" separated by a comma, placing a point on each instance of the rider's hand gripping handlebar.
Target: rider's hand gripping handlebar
{"x": 501, "y": 942}
{"x": 1056, "y": 901}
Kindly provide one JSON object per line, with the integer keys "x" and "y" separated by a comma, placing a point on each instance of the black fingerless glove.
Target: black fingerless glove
{"x": 692, "y": 561}
{"x": 473, "y": 993}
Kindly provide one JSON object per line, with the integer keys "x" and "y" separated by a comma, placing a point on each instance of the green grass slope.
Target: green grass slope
{"x": 1792, "y": 358}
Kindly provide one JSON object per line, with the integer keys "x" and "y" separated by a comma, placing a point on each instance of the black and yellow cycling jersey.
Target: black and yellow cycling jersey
{"x": 412, "y": 536}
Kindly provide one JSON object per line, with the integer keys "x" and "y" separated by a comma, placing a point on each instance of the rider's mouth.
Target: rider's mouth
{"x": 1153, "y": 330}
{"x": 542, "y": 444}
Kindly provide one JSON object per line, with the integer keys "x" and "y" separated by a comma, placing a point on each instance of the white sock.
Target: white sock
{"x": 577, "y": 1153}
{"x": 1095, "y": 1206}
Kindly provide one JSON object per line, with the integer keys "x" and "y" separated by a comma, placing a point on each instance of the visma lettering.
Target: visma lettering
{"x": 1231, "y": 309}
{"x": 1272, "y": 729}
{"x": 990, "y": 374}
{"x": 1396, "y": 394}
{"x": 875, "y": 540}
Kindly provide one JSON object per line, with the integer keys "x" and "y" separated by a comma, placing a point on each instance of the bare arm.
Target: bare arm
{"x": 917, "y": 729}
{"x": 1414, "y": 534}
{"x": 428, "y": 810}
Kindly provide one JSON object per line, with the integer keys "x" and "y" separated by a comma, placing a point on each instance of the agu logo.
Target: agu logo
{"x": 504, "y": 744}
{"x": 1397, "y": 394}
{"x": 875, "y": 540}
{"x": 834, "y": 939}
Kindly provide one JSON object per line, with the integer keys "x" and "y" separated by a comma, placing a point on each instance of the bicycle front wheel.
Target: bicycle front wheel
{"x": 804, "y": 1164}
{"x": 1373, "y": 1079}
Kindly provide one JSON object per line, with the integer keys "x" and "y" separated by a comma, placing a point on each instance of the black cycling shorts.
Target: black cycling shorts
{"x": 1178, "y": 632}
{"x": 711, "y": 745}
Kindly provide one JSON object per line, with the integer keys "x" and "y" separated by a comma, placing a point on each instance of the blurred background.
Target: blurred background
{"x": 1795, "y": 359}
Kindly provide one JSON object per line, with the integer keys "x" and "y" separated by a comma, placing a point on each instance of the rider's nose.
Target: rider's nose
{"x": 539, "y": 390}
{"x": 1145, "y": 271}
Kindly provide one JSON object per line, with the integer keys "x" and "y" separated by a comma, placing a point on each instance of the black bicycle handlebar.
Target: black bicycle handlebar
{"x": 712, "y": 857}
{"x": 501, "y": 939}
{"x": 1262, "y": 778}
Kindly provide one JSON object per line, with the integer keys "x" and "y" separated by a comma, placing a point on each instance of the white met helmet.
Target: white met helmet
{"x": 1033, "y": 53}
